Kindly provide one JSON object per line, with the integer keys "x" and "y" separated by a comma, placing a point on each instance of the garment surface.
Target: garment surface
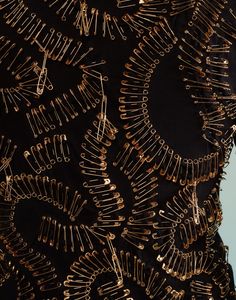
{"x": 117, "y": 120}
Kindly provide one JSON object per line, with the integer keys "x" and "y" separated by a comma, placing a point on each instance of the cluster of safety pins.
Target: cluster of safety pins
{"x": 7, "y": 270}
{"x": 228, "y": 29}
{"x": 204, "y": 56}
{"x": 7, "y": 151}
{"x": 144, "y": 184}
{"x": 71, "y": 238}
{"x": 31, "y": 82}
{"x": 86, "y": 95}
{"x": 27, "y": 186}
{"x": 4, "y": 268}
{"x": 33, "y": 79}
{"x": 93, "y": 166}
{"x": 140, "y": 131}
{"x": 92, "y": 264}
{"x": 174, "y": 222}
{"x": 91, "y": 21}
{"x": 178, "y": 6}
{"x": 107, "y": 199}
{"x": 34, "y": 30}
{"x": 36, "y": 263}
{"x": 26, "y": 74}
{"x": 44, "y": 155}
{"x": 169, "y": 230}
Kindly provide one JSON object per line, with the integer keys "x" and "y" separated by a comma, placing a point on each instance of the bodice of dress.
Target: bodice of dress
{"x": 117, "y": 119}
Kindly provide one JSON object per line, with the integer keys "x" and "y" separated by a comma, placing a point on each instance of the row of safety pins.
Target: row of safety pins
{"x": 227, "y": 31}
{"x": 218, "y": 78}
{"x": 144, "y": 184}
{"x": 129, "y": 3}
{"x": 93, "y": 166}
{"x": 227, "y": 26}
{"x": 7, "y": 151}
{"x": 68, "y": 7}
{"x": 4, "y": 268}
{"x": 58, "y": 46}
{"x": 187, "y": 265}
{"x": 209, "y": 85}
{"x": 50, "y": 231}
{"x": 178, "y": 214}
{"x": 231, "y": 109}
{"x": 221, "y": 280}
{"x": 25, "y": 186}
{"x": 89, "y": 266}
{"x": 91, "y": 21}
{"x": 151, "y": 281}
{"x": 189, "y": 231}
{"x": 26, "y": 73}
{"x": 180, "y": 6}
{"x": 228, "y": 142}
{"x": 201, "y": 29}
{"x": 213, "y": 77}
{"x": 213, "y": 120}
{"x": 44, "y": 155}
{"x": 169, "y": 164}
{"x": 85, "y": 96}
{"x": 200, "y": 289}
{"x": 216, "y": 71}
{"x": 134, "y": 110}
{"x": 71, "y": 238}
{"x": 176, "y": 220}
{"x": 85, "y": 271}
{"x": 36, "y": 263}
{"x": 24, "y": 289}
{"x": 218, "y": 67}
{"x": 134, "y": 107}
{"x": 144, "y": 61}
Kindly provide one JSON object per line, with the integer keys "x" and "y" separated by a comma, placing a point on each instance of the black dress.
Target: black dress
{"x": 117, "y": 119}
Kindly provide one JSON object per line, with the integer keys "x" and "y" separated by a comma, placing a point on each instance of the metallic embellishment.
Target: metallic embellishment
{"x": 34, "y": 30}
{"x": 87, "y": 268}
{"x": 92, "y": 21}
{"x": 93, "y": 165}
{"x": 143, "y": 181}
{"x": 179, "y": 6}
{"x": 208, "y": 86}
{"x": 85, "y": 96}
{"x": 9, "y": 270}
{"x": 36, "y": 263}
{"x": 7, "y": 151}
{"x": 139, "y": 130}
{"x": 38, "y": 156}
{"x": 24, "y": 71}
{"x": 177, "y": 223}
